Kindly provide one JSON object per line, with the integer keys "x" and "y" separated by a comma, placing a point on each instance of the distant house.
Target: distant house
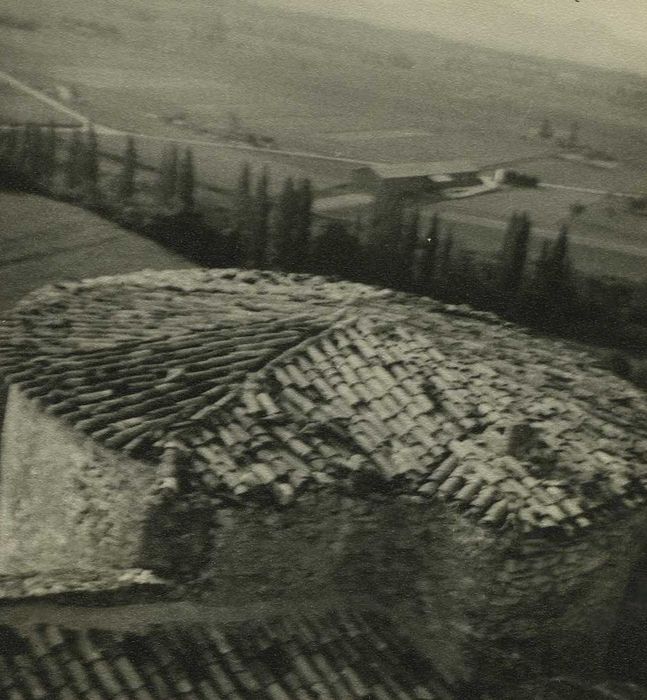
{"x": 413, "y": 178}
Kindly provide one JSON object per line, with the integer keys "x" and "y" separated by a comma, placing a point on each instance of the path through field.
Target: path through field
{"x": 501, "y": 225}
{"x": 42, "y": 97}
{"x": 588, "y": 190}
{"x": 107, "y": 130}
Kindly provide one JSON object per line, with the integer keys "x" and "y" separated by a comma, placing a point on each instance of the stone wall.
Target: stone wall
{"x": 489, "y": 610}
{"x": 259, "y": 554}
{"x": 492, "y": 610}
{"x": 64, "y": 501}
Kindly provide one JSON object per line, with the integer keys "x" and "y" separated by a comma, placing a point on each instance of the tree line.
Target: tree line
{"x": 394, "y": 246}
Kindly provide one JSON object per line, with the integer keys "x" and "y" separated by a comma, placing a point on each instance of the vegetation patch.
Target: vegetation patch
{"x": 21, "y": 23}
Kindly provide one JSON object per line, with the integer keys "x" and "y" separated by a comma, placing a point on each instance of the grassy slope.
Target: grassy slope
{"x": 18, "y": 108}
{"x": 326, "y": 85}
{"x": 304, "y": 79}
{"x": 43, "y": 241}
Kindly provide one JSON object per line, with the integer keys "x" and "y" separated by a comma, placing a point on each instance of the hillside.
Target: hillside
{"x": 553, "y": 29}
{"x": 310, "y": 81}
{"x": 42, "y": 242}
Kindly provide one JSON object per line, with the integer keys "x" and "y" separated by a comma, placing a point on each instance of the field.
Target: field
{"x": 220, "y": 167}
{"x": 190, "y": 74}
{"x": 547, "y": 208}
{"x": 485, "y": 240}
{"x": 623, "y": 178}
{"x": 43, "y": 242}
{"x": 324, "y": 84}
{"x": 17, "y": 108}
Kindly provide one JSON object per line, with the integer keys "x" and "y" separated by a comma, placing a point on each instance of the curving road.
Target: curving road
{"x": 109, "y": 131}
{"x": 42, "y": 97}
{"x": 450, "y": 216}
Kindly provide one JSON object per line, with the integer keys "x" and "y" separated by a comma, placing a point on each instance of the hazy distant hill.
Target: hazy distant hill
{"x": 554, "y": 28}
{"x": 308, "y": 80}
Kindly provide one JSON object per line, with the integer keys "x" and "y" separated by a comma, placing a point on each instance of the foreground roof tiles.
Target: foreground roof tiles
{"x": 273, "y": 384}
{"x": 334, "y": 656}
{"x": 63, "y": 584}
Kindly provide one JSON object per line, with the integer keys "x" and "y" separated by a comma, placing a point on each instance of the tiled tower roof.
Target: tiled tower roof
{"x": 271, "y": 384}
{"x": 338, "y": 655}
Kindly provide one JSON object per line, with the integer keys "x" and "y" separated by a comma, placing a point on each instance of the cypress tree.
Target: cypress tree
{"x": 445, "y": 264}
{"x": 167, "y": 181}
{"x": 559, "y": 263}
{"x": 335, "y": 252}
{"x": 554, "y": 288}
{"x": 90, "y": 165}
{"x": 427, "y": 268}
{"x": 540, "y": 290}
{"x": 387, "y": 217}
{"x": 302, "y": 225}
{"x": 36, "y": 168}
{"x": 465, "y": 282}
{"x": 74, "y": 161}
{"x": 408, "y": 249}
{"x": 260, "y": 224}
{"x": 126, "y": 185}
{"x": 242, "y": 216}
{"x": 9, "y": 146}
{"x": 513, "y": 257}
{"x": 383, "y": 251}
{"x": 22, "y": 149}
{"x": 24, "y": 154}
{"x": 358, "y": 229}
{"x": 50, "y": 153}
{"x": 30, "y": 158}
{"x": 8, "y": 155}
{"x": 358, "y": 264}
{"x": 186, "y": 182}
{"x": 282, "y": 225}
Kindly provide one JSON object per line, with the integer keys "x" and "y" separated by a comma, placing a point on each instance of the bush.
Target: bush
{"x": 400, "y": 59}
{"x": 637, "y": 204}
{"x": 516, "y": 179}
{"x": 103, "y": 29}
{"x": 25, "y": 25}
{"x": 639, "y": 373}
{"x": 618, "y": 363}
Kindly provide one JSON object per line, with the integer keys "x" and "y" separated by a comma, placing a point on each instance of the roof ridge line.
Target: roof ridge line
{"x": 253, "y": 377}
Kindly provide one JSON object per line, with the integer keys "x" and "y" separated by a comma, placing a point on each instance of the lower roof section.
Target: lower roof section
{"x": 340, "y": 654}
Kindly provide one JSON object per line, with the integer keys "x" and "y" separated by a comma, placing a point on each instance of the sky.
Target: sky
{"x": 611, "y": 33}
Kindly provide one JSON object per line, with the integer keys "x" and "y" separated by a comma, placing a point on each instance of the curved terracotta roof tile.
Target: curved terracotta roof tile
{"x": 286, "y": 382}
{"x": 338, "y": 654}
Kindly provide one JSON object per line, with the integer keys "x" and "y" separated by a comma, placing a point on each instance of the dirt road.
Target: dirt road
{"x": 107, "y": 130}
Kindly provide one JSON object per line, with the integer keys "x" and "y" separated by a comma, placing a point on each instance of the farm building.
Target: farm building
{"x": 416, "y": 178}
{"x": 428, "y": 477}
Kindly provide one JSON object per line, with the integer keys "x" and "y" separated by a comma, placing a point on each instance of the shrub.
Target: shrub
{"x": 400, "y": 59}
{"x": 12, "y": 22}
{"x": 639, "y": 373}
{"x": 618, "y": 363}
{"x": 516, "y": 179}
